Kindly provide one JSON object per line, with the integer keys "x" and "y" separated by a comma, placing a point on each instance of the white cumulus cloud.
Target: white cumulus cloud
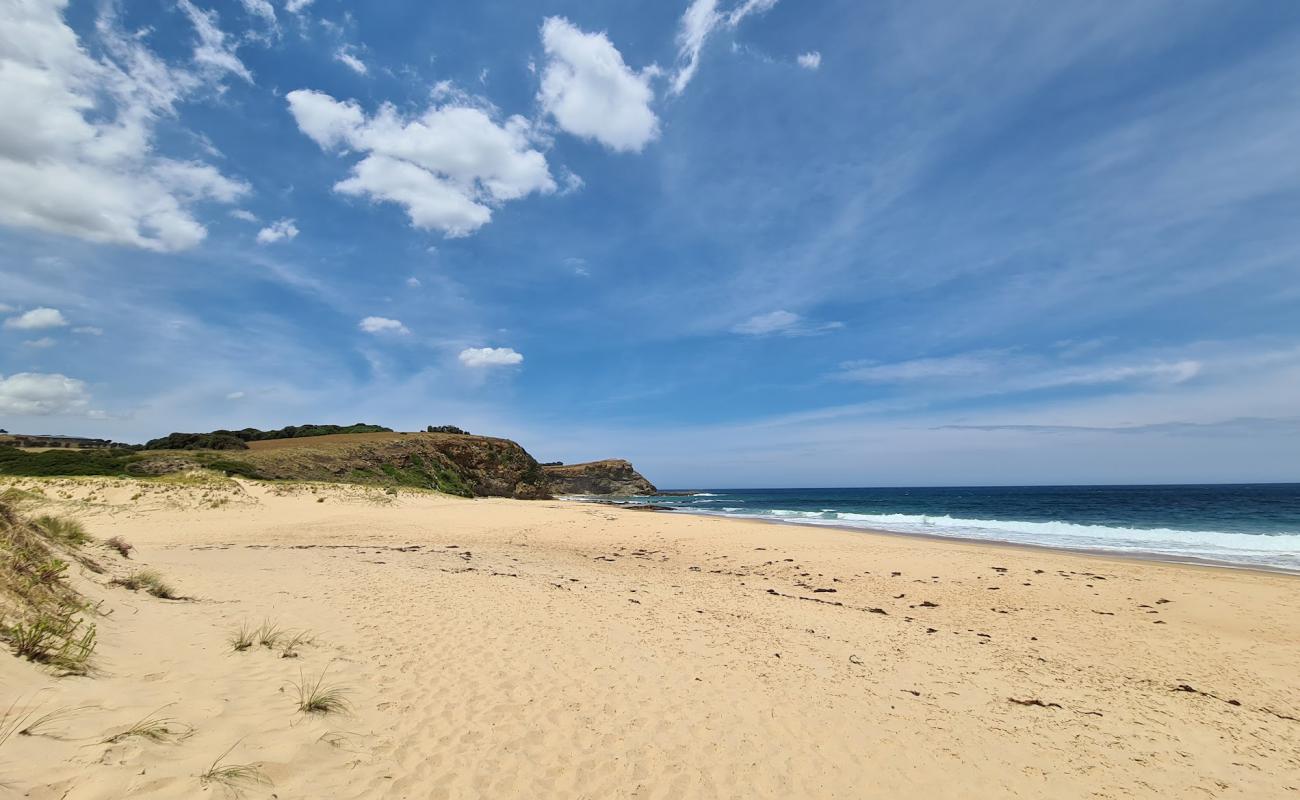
{"x": 37, "y": 319}
{"x": 277, "y": 231}
{"x": 77, "y": 155}
{"x": 479, "y": 357}
{"x": 383, "y": 325}
{"x": 590, "y": 92}
{"x": 296, "y": 6}
{"x": 42, "y": 394}
{"x": 811, "y": 60}
{"x": 447, "y": 167}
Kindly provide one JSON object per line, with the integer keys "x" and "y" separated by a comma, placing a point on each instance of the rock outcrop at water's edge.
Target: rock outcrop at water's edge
{"x": 612, "y": 476}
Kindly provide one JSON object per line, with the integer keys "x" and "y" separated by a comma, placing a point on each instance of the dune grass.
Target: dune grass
{"x": 316, "y": 697}
{"x": 270, "y": 636}
{"x": 242, "y": 637}
{"x": 43, "y": 619}
{"x": 294, "y": 640}
{"x": 42, "y": 725}
{"x": 235, "y": 777}
{"x": 149, "y": 581}
{"x": 13, "y": 721}
{"x": 60, "y": 639}
{"x": 153, "y": 728}
{"x": 61, "y": 529}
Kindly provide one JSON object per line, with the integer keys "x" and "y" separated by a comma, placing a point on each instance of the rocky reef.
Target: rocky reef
{"x": 612, "y": 476}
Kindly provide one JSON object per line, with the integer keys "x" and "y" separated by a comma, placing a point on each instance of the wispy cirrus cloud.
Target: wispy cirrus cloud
{"x": 698, "y": 24}
{"x": 783, "y": 323}
{"x": 1234, "y": 426}
{"x": 1009, "y": 371}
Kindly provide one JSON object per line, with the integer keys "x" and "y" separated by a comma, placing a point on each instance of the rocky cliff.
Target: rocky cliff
{"x": 612, "y": 476}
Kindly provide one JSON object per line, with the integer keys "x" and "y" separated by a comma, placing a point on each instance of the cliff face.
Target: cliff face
{"x": 612, "y": 476}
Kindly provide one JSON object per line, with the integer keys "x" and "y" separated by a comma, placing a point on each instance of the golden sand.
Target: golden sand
{"x": 514, "y": 649}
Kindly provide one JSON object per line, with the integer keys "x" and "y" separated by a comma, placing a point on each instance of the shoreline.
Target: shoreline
{"x": 1135, "y": 555}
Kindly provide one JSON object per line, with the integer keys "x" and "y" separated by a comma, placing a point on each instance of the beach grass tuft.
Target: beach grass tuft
{"x": 65, "y": 531}
{"x": 242, "y": 638}
{"x": 149, "y": 581}
{"x": 60, "y": 639}
{"x": 270, "y": 634}
{"x": 151, "y": 727}
{"x": 13, "y": 721}
{"x": 315, "y": 697}
{"x": 235, "y": 777}
{"x": 42, "y": 725}
{"x": 294, "y": 640}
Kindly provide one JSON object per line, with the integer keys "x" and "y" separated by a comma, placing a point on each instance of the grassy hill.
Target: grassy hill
{"x": 459, "y": 464}
{"x": 470, "y": 466}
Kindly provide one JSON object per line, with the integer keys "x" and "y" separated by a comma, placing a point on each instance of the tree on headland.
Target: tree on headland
{"x": 237, "y": 440}
{"x": 446, "y": 429}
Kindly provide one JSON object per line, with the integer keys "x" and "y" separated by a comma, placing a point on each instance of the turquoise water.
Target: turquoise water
{"x": 1249, "y": 525}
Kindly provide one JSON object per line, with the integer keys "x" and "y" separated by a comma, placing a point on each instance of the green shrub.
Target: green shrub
{"x": 235, "y": 468}
{"x": 237, "y": 440}
{"x": 65, "y": 462}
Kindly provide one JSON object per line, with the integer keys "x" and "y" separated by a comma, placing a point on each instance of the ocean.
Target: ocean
{"x": 1241, "y": 524}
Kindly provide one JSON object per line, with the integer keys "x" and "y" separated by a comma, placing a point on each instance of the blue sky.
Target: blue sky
{"x": 742, "y": 243}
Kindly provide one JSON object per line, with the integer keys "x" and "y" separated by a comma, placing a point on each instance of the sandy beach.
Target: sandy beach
{"x": 527, "y": 649}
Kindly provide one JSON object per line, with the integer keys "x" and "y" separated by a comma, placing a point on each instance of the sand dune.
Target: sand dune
{"x": 500, "y": 648}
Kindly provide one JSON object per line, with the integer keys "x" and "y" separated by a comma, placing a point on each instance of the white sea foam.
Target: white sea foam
{"x": 1272, "y": 550}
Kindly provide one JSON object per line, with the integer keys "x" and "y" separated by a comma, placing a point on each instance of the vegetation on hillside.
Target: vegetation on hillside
{"x": 446, "y": 429}
{"x": 238, "y": 440}
{"x": 65, "y": 462}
